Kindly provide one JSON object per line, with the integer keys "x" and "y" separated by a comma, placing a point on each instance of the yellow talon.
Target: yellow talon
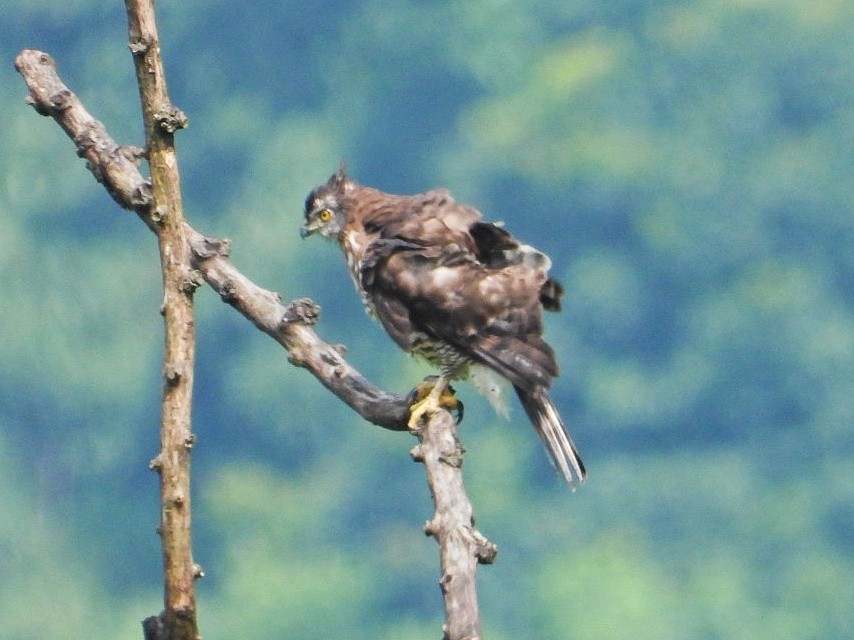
{"x": 440, "y": 396}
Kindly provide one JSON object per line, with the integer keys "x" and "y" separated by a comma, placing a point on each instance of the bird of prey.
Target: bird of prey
{"x": 461, "y": 293}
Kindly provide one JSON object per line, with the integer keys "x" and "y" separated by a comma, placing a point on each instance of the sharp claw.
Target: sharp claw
{"x": 440, "y": 396}
{"x": 417, "y": 411}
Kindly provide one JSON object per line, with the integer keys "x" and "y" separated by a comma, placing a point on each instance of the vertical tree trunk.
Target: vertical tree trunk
{"x": 461, "y": 546}
{"x": 161, "y": 120}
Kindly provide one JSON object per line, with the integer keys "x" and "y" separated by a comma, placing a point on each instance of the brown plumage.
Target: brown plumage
{"x": 462, "y": 293}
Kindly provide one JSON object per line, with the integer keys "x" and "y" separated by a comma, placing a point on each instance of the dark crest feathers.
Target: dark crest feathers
{"x": 338, "y": 179}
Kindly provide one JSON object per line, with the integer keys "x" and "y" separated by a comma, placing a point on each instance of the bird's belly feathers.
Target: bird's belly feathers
{"x": 442, "y": 355}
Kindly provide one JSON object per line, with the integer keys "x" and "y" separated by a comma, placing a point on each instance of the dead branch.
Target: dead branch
{"x": 290, "y": 325}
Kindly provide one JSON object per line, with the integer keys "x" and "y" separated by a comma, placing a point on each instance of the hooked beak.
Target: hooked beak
{"x": 306, "y": 230}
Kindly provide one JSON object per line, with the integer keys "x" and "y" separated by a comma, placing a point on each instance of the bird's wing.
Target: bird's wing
{"x": 490, "y": 310}
{"x": 431, "y": 219}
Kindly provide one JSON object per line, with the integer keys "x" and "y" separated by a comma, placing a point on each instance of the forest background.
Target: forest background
{"x": 688, "y": 166}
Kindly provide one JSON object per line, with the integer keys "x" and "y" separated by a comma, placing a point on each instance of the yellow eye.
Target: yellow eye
{"x": 325, "y": 215}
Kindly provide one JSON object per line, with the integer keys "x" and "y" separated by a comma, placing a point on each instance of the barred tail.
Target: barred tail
{"x": 547, "y": 421}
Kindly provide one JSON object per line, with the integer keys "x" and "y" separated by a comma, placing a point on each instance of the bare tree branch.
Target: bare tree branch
{"x": 461, "y": 546}
{"x": 113, "y": 166}
{"x": 290, "y": 325}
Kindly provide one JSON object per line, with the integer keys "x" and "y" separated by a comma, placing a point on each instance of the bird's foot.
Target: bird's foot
{"x": 430, "y": 395}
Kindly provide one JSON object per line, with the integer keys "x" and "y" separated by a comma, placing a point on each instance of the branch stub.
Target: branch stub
{"x": 302, "y": 311}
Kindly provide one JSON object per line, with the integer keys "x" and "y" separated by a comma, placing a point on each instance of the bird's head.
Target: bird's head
{"x": 324, "y": 207}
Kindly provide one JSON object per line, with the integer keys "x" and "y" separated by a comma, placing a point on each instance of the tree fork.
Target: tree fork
{"x": 461, "y": 546}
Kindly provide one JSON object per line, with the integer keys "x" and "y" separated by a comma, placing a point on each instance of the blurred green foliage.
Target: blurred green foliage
{"x": 686, "y": 164}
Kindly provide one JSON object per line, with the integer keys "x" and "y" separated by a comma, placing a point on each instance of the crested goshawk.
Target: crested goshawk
{"x": 461, "y": 293}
